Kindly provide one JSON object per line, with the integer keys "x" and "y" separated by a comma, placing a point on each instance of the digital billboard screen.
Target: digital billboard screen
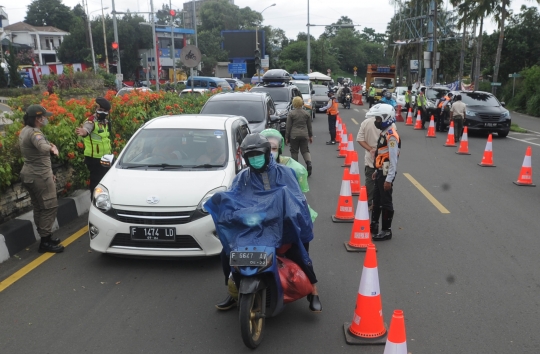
{"x": 241, "y": 44}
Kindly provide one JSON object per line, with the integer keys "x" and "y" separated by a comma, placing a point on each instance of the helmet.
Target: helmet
{"x": 385, "y": 111}
{"x": 274, "y": 134}
{"x": 345, "y": 84}
{"x": 103, "y": 103}
{"x": 256, "y": 142}
{"x": 383, "y": 91}
{"x": 388, "y": 94}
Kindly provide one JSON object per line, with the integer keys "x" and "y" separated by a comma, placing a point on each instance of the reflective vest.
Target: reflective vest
{"x": 408, "y": 97}
{"x": 333, "y": 110}
{"x": 383, "y": 153}
{"x": 443, "y": 102}
{"x": 372, "y": 91}
{"x": 421, "y": 100}
{"x": 97, "y": 144}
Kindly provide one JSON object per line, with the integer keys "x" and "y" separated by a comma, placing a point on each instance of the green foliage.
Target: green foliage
{"x": 74, "y": 49}
{"x": 3, "y": 78}
{"x": 18, "y": 91}
{"x": 13, "y": 64}
{"x": 49, "y": 13}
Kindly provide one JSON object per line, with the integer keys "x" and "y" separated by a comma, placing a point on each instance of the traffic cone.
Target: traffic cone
{"x": 338, "y": 133}
{"x": 431, "y": 128}
{"x": 418, "y": 123}
{"x": 343, "y": 147}
{"x": 464, "y": 143}
{"x": 450, "y": 140}
{"x": 525, "y": 175}
{"x": 396, "y": 343}
{"x": 368, "y": 326}
{"x": 399, "y": 117}
{"x": 409, "y": 117}
{"x": 360, "y": 234}
{"x": 343, "y": 134}
{"x": 487, "y": 159}
{"x": 344, "y": 210}
{"x": 354, "y": 175}
{"x": 350, "y": 151}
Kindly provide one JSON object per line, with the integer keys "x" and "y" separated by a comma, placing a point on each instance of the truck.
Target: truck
{"x": 382, "y": 77}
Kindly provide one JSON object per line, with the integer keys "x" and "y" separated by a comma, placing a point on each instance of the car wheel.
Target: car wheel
{"x": 503, "y": 134}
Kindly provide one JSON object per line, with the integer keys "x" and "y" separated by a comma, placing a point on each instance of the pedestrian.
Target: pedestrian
{"x": 332, "y": 111}
{"x": 96, "y": 131}
{"x": 371, "y": 95}
{"x": 442, "y": 111}
{"x": 386, "y": 159}
{"x": 37, "y": 175}
{"x": 299, "y": 132}
{"x": 367, "y": 137}
{"x": 421, "y": 105}
{"x": 458, "y": 116}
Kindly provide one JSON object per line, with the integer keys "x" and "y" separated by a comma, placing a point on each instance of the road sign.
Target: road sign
{"x": 355, "y": 69}
{"x": 495, "y": 84}
{"x": 120, "y": 77}
{"x": 190, "y": 56}
{"x": 237, "y": 68}
{"x": 265, "y": 63}
{"x": 514, "y": 75}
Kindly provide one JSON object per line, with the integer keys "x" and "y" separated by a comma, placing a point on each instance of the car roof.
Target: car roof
{"x": 195, "y": 89}
{"x": 191, "y": 121}
{"x": 239, "y": 96}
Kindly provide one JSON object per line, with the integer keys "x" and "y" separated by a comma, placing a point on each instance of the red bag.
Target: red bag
{"x": 294, "y": 281}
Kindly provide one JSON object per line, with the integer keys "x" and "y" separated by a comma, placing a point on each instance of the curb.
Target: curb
{"x": 19, "y": 233}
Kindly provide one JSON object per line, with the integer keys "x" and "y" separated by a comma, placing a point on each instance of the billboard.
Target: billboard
{"x": 241, "y": 44}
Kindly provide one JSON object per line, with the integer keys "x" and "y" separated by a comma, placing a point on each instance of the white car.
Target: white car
{"x": 125, "y": 90}
{"x": 151, "y": 201}
{"x": 195, "y": 91}
{"x": 399, "y": 95}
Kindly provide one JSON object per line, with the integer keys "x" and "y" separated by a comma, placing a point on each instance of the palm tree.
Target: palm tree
{"x": 464, "y": 10}
{"x": 481, "y": 9}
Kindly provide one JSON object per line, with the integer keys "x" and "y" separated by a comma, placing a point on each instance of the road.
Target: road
{"x": 468, "y": 281}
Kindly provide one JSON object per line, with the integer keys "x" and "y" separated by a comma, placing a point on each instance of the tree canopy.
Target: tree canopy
{"x": 49, "y": 13}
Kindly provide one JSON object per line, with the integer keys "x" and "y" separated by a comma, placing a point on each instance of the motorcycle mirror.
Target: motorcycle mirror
{"x": 274, "y": 119}
{"x": 312, "y": 92}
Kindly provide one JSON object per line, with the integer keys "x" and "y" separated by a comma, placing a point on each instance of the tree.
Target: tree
{"x": 221, "y": 15}
{"x": 73, "y": 48}
{"x": 26, "y": 56}
{"x": 163, "y": 16}
{"x": 13, "y": 68}
{"x": 49, "y": 13}
{"x": 3, "y": 78}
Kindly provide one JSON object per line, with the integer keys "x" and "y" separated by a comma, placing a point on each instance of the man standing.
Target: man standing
{"x": 421, "y": 105}
{"x": 442, "y": 110}
{"x": 332, "y": 111}
{"x": 386, "y": 159}
{"x": 457, "y": 115}
{"x": 96, "y": 131}
{"x": 371, "y": 95}
{"x": 408, "y": 98}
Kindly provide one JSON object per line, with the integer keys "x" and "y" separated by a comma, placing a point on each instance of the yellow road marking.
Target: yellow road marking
{"x": 426, "y": 194}
{"x": 38, "y": 261}
{"x": 355, "y": 122}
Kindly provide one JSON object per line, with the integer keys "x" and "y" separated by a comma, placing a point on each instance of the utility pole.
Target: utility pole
{"x": 104, "y": 37}
{"x": 308, "y": 42}
{"x": 173, "y": 56}
{"x": 434, "y": 55}
{"x": 154, "y": 40}
{"x": 115, "y": 28}
{"x": 195, "y": 29}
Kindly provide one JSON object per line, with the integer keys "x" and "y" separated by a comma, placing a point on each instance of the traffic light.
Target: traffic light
{"x": 114, "y": 45}
{"x": 172, "y": 13}
{"x": 257, "y": 60}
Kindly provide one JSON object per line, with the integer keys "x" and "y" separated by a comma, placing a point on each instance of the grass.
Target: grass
{"x": 516, "y": 128}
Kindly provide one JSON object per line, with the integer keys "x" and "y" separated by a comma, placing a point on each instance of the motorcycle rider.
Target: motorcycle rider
{"x": 262, "y": 175}
{"x": 344, "y": 91}
{"x": 387, "y": 98}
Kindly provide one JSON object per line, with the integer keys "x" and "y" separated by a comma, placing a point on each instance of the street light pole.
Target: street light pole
{"x": 104, "y": 37}
{"x": 115, "y": 28}
{"x": 91, "y": 40}
{"x": 308, "y": 42}
{"x": 257, "y": 40}
{"x": 195, "y": 29}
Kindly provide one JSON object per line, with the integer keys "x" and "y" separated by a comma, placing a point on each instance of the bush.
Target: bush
{"x": 16, "y": 92}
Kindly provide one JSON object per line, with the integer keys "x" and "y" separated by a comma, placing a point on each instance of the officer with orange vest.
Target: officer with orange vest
{"x": 442, "y": 110}
{"x": 386, "y": 159}
{"x": 332, "y": 111}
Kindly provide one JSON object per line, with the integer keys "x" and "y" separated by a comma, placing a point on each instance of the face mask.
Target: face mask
{"x": 257, "y": 162}
{"x": 275, "y": 154}
{"x": 45, "y": 121}
{"x": 378, "y": 125}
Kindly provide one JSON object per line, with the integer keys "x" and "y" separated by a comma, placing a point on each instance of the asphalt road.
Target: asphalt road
{"x": 468, "y": 281}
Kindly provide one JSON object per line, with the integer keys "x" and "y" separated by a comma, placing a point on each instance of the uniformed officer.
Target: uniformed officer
{"x": 421, "y": 104}
{"x": 332, "y": 111}
{"x": 386, "y": 159}
{"x": 408, "y": 98}
{"x": 37, "y": 175}
{"x": 371, "y": 95}
{"x": 96, "y": 131}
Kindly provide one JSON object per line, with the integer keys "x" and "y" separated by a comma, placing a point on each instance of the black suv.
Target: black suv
{"x": 485, "y": 112}
{"x": 258, "y": 108}
{"x": 433, "y": 94}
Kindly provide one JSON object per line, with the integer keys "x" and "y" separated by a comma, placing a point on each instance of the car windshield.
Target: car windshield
{"x": 180, "y": 148}
{"x": 304, "y": 88}
{"x": 253, "y": 111}
{"x": 479, "y": 99}
{"x": 435, "y": 94}
{"x": 279, "y": 94}
{"x": 321, "y": 91}
{"x": 381, "y": 82}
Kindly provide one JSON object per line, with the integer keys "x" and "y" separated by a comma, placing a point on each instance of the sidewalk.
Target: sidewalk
{"x": 19, "y": 233}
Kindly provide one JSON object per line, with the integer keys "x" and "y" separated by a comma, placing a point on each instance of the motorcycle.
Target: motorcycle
{"x": 279, "y": 123}
{"x": 347, "y": 101}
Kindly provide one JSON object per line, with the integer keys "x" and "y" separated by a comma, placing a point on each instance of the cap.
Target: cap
{"x": 37, "y": 111}
{"x": 103, "y": 103}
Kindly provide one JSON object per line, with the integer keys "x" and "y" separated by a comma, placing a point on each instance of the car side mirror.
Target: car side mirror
{"x": 503, "y": 104}
{"x": 107, "y": 160}
{"x": 312, "y": 92}
{"x": 274, "y": 119}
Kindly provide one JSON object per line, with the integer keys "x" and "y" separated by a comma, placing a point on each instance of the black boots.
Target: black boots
{"x": 314, "y": 303}
{"x": 48, "y": 244}
{"x": 331, "y": 142}
{"x": 309, "y": 168}
{"x": 226, "y": 304}
{"x": 386, "y": 232}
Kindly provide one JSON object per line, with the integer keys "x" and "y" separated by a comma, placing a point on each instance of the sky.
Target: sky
{"x": 289, "y": 15}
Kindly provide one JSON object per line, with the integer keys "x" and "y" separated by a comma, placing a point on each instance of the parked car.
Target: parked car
{"x": 151, "y": 201}
{"x": 125, "y": 90}
{"x": 399, "y": 95}
{"x": 234, "y": 82}
{"x": 195, "y": 91}
{"x": 433, "y": 94}
{"x": 485, "y": 113}
{"x": 320, "y": 97}
{"x": 207, "y": 82}
{"x": 306, "y": 89}
{"x": 257, "y": 107}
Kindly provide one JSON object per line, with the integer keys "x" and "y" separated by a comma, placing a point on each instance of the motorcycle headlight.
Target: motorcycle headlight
{"x": 470, "y": 113}
{"x": 208, "y": 196}
{"x": 504, "y": 115}
{"x": 101, "y": 198}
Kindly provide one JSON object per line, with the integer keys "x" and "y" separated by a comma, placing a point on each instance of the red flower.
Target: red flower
{"x": 176, "y": 105}
{"x": 87, "y": 182}
{"x": 117, "y": 135}
{"x": 68, "y": 185}
{"x": 168, "y": 107}
{"x": 115, "y": 153}
{"x": 80, "y": 145}
{"x": 71, "y": 155}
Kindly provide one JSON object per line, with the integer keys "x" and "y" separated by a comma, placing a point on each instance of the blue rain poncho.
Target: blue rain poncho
{"x": 247, "y": 214}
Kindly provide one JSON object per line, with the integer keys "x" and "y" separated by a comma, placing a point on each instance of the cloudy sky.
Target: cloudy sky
{"x": 289, "y": 15}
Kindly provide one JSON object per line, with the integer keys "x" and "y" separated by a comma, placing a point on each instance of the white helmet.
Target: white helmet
{"x": 385, "y": 111}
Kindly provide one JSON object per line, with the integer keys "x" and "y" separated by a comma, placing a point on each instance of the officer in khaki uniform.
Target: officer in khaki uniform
{"x": 37, "y": 175}
{"x": 96, "y": 131}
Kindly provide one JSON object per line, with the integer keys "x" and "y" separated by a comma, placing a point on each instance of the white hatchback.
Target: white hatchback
{"x": 150, "y": 203}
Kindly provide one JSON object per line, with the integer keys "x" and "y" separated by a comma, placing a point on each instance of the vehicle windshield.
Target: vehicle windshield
{"x": 435, "y": 94}
{"x": 383, "y": 82}
{"x": 196, "y": 93}
{"x": 304, "y": 88}
{"x": 320, "y": 91}
{"x": 181, "y": 148}
{"x": 278, "y": 94}
{"x": 225, "y": 86}
{"x": 479, "y": 99}
{"x": 253, "y": 111}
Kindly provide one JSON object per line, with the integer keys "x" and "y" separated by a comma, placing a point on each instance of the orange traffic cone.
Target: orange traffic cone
{"x": 450, "y": 140}
{"x": 344, "y": 210}
{"x": 464, "y": 143}
{"x": 344, "y": 146}
{"x": 525, "y": 175}
{"x": 397, "y": 338}
{"x": 343, "y": 134}
{"x": 350, "y": 151}
{"x": 409, "y": 117}
{"x": 399, "y": 117}
{"x": 360, "y": 234}
{"x": 418, "y": 123}
{"x": 338, "y": 132}
{"x": 368, "y": 326}
{"x": 431, "y": 128}
{"x": 354, "y": 175}
{"x": 487, "y": 159}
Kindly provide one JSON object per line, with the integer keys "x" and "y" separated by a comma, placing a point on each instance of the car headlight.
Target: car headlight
{"x": 101, "y": 198}
{"x": 505, "y": 114}
{"x": 208, "y": 196}
{"x": 470, "y": 113}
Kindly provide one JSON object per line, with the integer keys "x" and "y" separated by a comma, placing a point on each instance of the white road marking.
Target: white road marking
{"x": 522, "y": 140}
{"x": 356, "y": 109}
{"x": 355, "y": 122}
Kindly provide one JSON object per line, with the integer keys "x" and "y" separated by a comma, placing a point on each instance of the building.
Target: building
{"x": 188, "y": 11}
{"x": 43, "y": 39}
